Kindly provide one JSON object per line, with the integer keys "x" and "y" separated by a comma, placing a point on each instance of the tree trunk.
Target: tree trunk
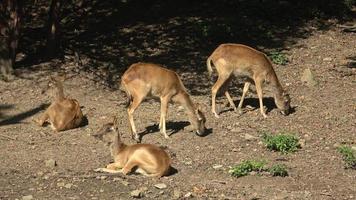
{"x": 11, "y": 11}
{"x": 53, "y": 29}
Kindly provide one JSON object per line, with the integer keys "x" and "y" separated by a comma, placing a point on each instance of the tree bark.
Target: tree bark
{"x": 10, "y": 10}
{"x": 53, "y": 29}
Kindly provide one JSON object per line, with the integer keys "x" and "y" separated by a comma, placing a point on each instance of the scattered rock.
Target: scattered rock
{"x": 125, "y": 183}
{"x": 60, "y": 184}
{"x": 250, "y": 137}
{"x": 302, "y": 143}
{"x": 236, "y": 130}
{"x": 143, "y": 189}
{"x": 308, "y": 78}
{"x": 28, "y": 197}
{"x": 136, "y": 194}
{"x": 327, "y": 59}
{"x": 161, "y": 186}
{"x": 177, "y": 194}
{"x": 189, "y": 194}
{"x": 188, "y": 162}
{"x": 68, "y": 185}
{"x": 50, "y": 163}
{"x": 253, "y": 173}
{"x": 217, "y": 166}
{"x": 336, "y": 145}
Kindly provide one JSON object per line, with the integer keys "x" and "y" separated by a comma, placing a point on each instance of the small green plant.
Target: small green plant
{"x": 278, "y": 58}
{"x": 284, "y": 143}
{"x": 349, "y": 156}
{"x": 246, "y": 167}
{"x": 278, "y": 170}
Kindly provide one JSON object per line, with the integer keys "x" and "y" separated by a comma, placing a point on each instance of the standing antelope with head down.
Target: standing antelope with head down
{"x": 146, "y": 159}
{"x": 143, "y": 79}
{"x": 241, "y": 60}
{"x": 63, "y": 113}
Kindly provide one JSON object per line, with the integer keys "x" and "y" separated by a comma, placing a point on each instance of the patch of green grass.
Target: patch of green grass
{"x": 285, "y": 143}
{"x": 246, "y": 167}
{"x": 278, "y": 170}
{"x": 349, "y": 156}
{"x": 278, "y": 57}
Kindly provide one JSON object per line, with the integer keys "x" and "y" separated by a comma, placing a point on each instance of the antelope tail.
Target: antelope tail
{"x": 129, "y": 97}
{"x": 208, "y": 65}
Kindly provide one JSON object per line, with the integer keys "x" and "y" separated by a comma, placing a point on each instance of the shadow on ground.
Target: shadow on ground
{"x": 105, "y": 37}
{"x": 19, "y": 117}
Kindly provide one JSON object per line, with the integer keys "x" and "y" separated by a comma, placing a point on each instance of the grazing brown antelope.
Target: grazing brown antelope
{"x": 146, "y": 159}
{"x": 143, "y": 79}
{"x": 63, "y": 113}
{"x": 240, "y": 60}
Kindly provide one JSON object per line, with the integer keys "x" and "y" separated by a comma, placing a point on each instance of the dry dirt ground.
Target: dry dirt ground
{"x": 324, "y": 117}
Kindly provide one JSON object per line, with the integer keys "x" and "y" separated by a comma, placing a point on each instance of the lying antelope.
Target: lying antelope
{"x": 146, "y": 159}
{"x": 63, "y": 113}
{"x": 240, "y": 60}
{"x": 143, "y": 79}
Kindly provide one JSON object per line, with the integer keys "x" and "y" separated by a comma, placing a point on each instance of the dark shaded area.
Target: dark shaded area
{"x": 351, "y": 62}
{"x": 174, "y": 127}
{"x": 105, "y": 37}
{"x": 5, "y": 107}
{"x": 19, "y": 117}
{"x": 85, "y": 122}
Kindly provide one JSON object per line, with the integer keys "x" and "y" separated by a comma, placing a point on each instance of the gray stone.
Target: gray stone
{"x": 250, "y": 137}
{"x": 50, "y": 163}
{"x": 302, "y": 143}
{"x": 177, "y": 194}
{"x": 68, "y": 185}
{"x": 309, "y": 78}
{"x": 27, "y": 197}
{"x": 136, "y": 194}
{"x": 217, "y": 166}
{"x": 125, "y": 183}
{"x": 60, "y": 184}
{"x": 188, "y": 195}
{"x": 161, "y": 186}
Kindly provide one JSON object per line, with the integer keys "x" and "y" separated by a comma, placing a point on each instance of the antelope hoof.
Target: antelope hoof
{"x": 216, "y": 115}
{"x": 166, "y": 136}
{"x": 136, "y": 138}
{"x": 240, "y": 111}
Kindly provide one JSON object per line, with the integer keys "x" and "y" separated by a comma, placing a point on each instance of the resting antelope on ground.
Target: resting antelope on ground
{"x": 146, "y": 159}
{"x": 63, "y": 113}
{"x": 143, "y": 79}
{"x": 240, "y": 60}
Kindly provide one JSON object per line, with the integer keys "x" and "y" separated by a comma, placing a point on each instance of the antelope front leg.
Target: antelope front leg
{"x": 231, "y": 102}
{"x": 244, "y": 91}
{"x": 260, "y": 97}
{"x": 214, "y": 90}
{"x": 164, "y": 108}
{"x": 135, "y": 103}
